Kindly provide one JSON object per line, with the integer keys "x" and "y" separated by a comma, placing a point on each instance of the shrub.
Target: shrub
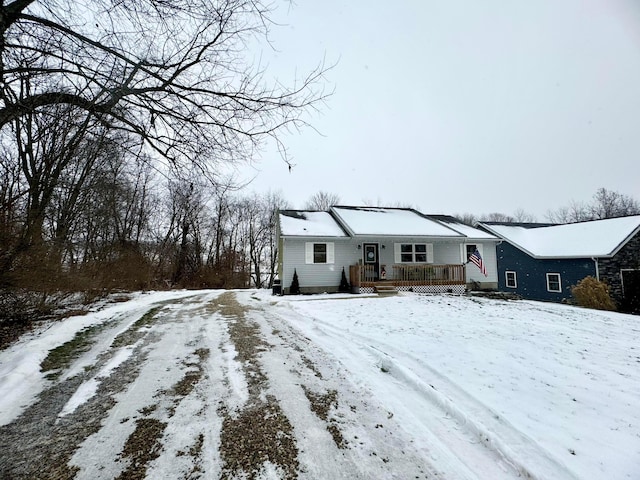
{"x": 344, "y": 284}
{"x": 592, "y": 293}
{"x": 294, "y": 289}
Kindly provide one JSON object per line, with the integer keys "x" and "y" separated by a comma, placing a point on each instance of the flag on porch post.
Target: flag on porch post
{"x": 476, "y": 259}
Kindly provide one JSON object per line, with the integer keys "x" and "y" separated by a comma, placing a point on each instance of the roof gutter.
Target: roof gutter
{"x": 595, "y": 262}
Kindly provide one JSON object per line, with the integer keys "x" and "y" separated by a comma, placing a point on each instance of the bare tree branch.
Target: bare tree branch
{"x": 170, "y": 73}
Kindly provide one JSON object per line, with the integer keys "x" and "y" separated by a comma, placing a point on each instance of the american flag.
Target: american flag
{"x": 476, "y": 259}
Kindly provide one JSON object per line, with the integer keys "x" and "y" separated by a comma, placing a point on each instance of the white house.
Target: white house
{"x": 396, "y": 247}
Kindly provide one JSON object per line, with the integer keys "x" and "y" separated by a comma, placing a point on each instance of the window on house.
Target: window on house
{"x": 467, "y": 250}
{"x": 319, "y": 253}
{"x": 510, "y": 278}
{"x": 553, "y": 282}
{"x": 406, "y": 255}
{"x": 415, "y": 253}
{"x": 471, "y": 247}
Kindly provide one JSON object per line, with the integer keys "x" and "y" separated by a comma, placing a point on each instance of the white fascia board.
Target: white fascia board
{"x": 438, "y": 237}
{"x": 480, "y": 240}
{"x": 572, "y": 257}
{"x": 315, "y": 238}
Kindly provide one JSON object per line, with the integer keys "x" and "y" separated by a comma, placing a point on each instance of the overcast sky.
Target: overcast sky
{"x": 463, "y": 106}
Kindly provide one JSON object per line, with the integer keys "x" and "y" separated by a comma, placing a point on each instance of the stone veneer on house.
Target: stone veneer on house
{"x": 627, "y": 258}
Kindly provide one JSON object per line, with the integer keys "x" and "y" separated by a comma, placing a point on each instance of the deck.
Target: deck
{"x": 421, "y": 278}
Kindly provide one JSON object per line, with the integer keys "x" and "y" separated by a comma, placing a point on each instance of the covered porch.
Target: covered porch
{"x": 427, "y": 278}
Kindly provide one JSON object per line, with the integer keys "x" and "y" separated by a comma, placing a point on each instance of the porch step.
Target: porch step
{"x": 386, "y": 290}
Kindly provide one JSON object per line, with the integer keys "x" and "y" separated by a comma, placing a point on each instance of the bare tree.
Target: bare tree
{"x": 574, "y": 212}
{"x": 221, "y": 209}
{"x": 12, "y": 201}
{"x": 322, "y": 201}
{"x": 466, "y": 218}
{"x": 171, "y": 74}
{"x": 380, "y": 203}
{"x": 518, "y": 216}
{"x": 188, "y": 209}
{"x": 496, "y": 217}
{"x": 110, "y": 233}
{"x": 234, "y": 255}
{"x": 605, "y": 204}
{"x": 274, "y": 203}
{"x": 46, "y": 145}
{"x": 610, "y": 204}
{"x": 522, "y": 216}
{"x": 261, "y": 214}
{"x": 48, "y": 148}
{"x": 170, "y": 82}
{"x": 255, "y": 230}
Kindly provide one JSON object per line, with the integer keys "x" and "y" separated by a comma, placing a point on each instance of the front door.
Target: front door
{"x": 371, "y": 262}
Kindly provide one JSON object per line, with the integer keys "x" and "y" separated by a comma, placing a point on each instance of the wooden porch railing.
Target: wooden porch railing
{"x": 428, "y": 274}
{"x": 413, "y": 275}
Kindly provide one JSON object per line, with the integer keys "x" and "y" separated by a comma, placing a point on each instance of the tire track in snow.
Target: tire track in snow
{"x": 46, "y": 430}
{"x": 39, "y": 432}
{"x": 342, "y": 431}
{"x": 491, "y": 430}
{"x": 454, "y": 419}
{"x": 258, "y": 436}
{"x": 160, "y": 426}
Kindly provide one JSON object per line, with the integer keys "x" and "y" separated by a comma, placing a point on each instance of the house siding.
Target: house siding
{"x": 442, "y": 252}
{"x": 316, "y": 277}
{"x": 627, "y": 258}
{"x": 472, "y": 272}
{"x": 531, "y": 273}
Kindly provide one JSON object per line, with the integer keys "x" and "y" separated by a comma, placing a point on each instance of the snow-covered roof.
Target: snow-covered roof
{"x": 598, "y": 238}
{"x": 391, "y": 221}
{"x": 466, "y": 230}
{"x": 309, "y": 224}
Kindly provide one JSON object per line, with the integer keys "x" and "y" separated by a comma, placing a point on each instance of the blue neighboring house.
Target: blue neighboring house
{"x": 543, "y": 262}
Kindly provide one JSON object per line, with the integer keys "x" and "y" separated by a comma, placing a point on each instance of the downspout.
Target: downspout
{"x": 595, "y": 262}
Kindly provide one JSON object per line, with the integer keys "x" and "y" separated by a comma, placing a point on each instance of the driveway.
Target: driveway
{"x": 209, "y": 385}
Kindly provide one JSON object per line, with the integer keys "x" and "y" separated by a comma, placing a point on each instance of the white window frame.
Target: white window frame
{"x": 559, "y": 283}
{"x": 309, "y": 256}
{"x": 506, "y": 279}
{"x": 398, "y": 252}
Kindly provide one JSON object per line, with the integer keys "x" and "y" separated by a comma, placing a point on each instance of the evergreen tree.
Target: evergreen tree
{"x": 344, "y": 284}
{"x": 294, "y": 289}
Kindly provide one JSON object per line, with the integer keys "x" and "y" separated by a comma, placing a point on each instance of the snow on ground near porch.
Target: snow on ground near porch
{"x": 554, "y": 389}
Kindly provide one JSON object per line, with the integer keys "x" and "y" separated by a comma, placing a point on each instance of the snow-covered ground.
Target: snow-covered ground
{"x": 553, "y": 388}
{"x": 414, "y": 386}
{"x": 20, "y": 377}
